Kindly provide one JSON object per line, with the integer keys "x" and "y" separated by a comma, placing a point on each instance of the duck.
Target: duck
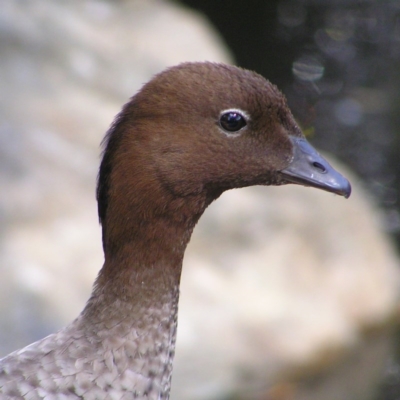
{"x": 191, "y": 133}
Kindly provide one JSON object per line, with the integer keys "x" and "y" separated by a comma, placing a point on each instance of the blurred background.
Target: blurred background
{"x": 287, "y": 293}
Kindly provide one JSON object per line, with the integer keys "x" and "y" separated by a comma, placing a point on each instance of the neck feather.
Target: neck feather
{"x": 132, "y": 312}
{"x": 135, "y": 298}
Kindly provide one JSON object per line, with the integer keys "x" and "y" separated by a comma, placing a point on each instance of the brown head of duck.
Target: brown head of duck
{"x": 191, "y": 133}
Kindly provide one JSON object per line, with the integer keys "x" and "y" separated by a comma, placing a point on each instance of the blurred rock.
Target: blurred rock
{"x": 282, "y": 282}
{"x": 66, "y": 69}
{"x": 278, "y": 283}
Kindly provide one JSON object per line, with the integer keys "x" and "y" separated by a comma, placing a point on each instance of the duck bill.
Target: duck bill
{"x": 308, "y": 168}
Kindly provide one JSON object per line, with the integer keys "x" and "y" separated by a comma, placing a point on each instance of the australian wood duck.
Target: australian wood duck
{"x": 191, "y": 133}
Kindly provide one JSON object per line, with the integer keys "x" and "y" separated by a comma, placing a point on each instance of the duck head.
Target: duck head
{"x": 196, "y": 130}
{"x": 192, "y": 132}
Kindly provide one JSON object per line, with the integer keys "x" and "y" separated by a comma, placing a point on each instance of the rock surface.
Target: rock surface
{"x": 275, "y": 279}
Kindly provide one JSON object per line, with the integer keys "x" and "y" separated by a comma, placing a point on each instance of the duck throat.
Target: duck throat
{"x": 134, "y": 327}
{"x": 136, "y": 337}
{"x": 132, "y": 312}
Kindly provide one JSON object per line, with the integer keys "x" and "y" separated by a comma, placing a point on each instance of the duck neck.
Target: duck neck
{"x": 143, "y": 263}
{"x": 135, "y": 297}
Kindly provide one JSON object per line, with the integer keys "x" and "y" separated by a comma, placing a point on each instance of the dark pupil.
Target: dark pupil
{"x": 232, "y": 121}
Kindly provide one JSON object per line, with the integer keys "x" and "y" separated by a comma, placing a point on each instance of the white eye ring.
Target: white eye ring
{"x": 237, "y": 124}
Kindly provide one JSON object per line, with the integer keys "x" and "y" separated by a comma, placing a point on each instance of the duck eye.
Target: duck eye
{"x": 232, "y": 121}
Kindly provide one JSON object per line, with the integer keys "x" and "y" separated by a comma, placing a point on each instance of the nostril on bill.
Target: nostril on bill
{"x": 319, "y": 166}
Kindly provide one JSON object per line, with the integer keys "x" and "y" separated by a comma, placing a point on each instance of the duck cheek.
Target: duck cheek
{"x": 278, "y": 152}
{"x": 179, "y": 178}
{"x": 263, "y": 156}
